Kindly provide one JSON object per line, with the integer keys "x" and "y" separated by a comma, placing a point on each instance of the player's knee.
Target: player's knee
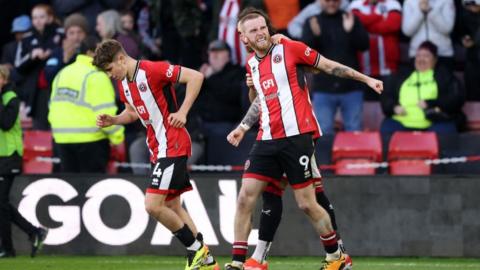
{"x": 306, "y": 206}
{"x": 244, "y": 200}
{"x": 153, "y": 209}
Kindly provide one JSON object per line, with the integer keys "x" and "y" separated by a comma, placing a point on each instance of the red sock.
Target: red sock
{"x": 239, "y": 251}
{"x": 329, "y": 242}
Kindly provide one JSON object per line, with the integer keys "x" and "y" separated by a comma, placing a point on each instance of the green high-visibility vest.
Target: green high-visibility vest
{"x": 11, "y": 140}
{"x": 419, "y": 86}
{"x": 80, "y": 92}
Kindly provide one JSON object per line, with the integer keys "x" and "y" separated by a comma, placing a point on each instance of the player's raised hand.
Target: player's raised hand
{"x": 278, "y": 37}
{"x": 236, "y": 136}
{"x": 105, "y": 120}
{"x": 375, "y": 84}
{"x": 177, "y": 120}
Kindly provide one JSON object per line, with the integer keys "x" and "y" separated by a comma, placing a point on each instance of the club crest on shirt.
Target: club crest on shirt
{"x": 142, "y": 87}
{"x": 277, "y": 58}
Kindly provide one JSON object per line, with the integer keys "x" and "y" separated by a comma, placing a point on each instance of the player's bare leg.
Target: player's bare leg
{"x": 197, "y": 253}
{"x": 247, "y": 198}
{"x": 176, "y": 206}
{"x": 320, "y": 220}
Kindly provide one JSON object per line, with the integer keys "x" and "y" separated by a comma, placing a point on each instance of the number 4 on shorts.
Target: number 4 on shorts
{"x": 157, "y": 171}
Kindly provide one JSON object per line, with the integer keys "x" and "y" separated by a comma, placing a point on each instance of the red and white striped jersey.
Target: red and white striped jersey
{"x": 227, "y": 30}
{"x": 286, "y": 109}
{"x": 152, "y": 95}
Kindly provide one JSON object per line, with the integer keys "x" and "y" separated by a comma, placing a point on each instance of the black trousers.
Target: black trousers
{"x": 84, "y": 157}
{"x": 9, "y": 214}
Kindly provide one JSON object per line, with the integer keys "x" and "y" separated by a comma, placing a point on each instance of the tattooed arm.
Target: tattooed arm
{"x": 342, "y": 71}
{"x": 252, "y": 116}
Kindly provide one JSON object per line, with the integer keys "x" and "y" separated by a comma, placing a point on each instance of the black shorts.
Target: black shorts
{"x": 279, "y": 189}
{"x": 170, "y": 176}
{"x": 268, "y": 160}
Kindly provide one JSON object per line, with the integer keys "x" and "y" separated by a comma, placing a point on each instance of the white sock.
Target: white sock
{"x": 333, "y": 256}
{"x": 261, "y": 251}
{"x": 195, "y": 246}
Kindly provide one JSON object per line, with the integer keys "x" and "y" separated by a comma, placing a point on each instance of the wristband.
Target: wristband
{"x": 244, "y": 126}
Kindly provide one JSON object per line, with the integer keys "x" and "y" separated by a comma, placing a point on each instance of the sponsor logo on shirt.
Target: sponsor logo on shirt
{"x": 169, "y": 73}
{"x": 308, "y": 50}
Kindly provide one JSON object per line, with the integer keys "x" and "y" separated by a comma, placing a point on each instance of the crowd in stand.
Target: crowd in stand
{"x": 427, "y": 52}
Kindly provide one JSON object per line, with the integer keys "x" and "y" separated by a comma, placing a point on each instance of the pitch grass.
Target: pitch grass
{"x": 173, "y": 263}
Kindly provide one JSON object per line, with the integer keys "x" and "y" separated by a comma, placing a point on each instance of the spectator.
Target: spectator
{"x": 79, "y": 93}
{"x": 428, "y": 98}
{"x": 339, "y": 36}
{"x": 224, "y": 25}
{"x": 88, "y": 8}
{"x": 76, "y": 29}
{"x": 471, "y": 41}
{"x": 433, "y": 21}
{"x": 145, "y": 28}
{"x": 382, "y": 19}
{"x": 220, "y": 101}
{"x": 11, "y": 153}
{"x": 295, "y": 26}
{"x": 30, "y": 60}
{"x": 109, "y": 26}
{"x": 20, "y": 28}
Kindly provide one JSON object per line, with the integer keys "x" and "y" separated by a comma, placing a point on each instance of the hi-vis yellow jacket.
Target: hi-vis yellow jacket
{"x": 80, "y": 92}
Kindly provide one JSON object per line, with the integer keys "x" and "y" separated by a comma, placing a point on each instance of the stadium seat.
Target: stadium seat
{"x": 356, "y": 148}
{"x": 36, "y": 144}
{"x": 118, "y": 153}
{"x": 472, "y": 111}
{"x": 408, "y": 151}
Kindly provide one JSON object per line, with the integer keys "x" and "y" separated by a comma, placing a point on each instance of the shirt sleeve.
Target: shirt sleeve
{"x": 302, "y": 54}
{"x": 166, "y": 71}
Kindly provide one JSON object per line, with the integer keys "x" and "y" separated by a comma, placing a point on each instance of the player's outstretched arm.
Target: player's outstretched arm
{"x": 127, "y": 116}
{"x": 342, "y": 71}
{"x": 194, "y": 80}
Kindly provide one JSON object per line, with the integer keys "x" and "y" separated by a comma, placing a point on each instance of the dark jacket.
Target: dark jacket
{"x": 8, "y": 116}
{"x": 451, "y": 95}
{"x": 30, "y": 68}
{"x": 220, "y": 99}
{"x": 336, "y": 44}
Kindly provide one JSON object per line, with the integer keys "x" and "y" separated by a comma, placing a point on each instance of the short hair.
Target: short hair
{"x": 429, "y": 46}
{"x": 112, "y": 22}
{"x": 48, "y": 9}
{"x": 250, "y": 13}
{"x": 88, "y": 44}
{"x": 106, "y": 52}
{"x": 4, "y": 72}
{"x": 76, "y": 19}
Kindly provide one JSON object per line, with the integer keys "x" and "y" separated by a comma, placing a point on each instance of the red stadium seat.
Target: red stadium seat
{"x": 118, "y": 153}
{"x": 407, "y": 152}
{"x": 472, "y": 111}
{"x": 36, "y": 144}
{"x": 410, "y": 167}
{"x": 355, "y": 148}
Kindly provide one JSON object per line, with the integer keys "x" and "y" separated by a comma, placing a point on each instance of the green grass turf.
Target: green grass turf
{"x": 173, "y": 263}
